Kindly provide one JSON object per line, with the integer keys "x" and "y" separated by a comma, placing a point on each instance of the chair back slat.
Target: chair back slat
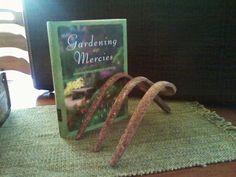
{"x": 12, "y": 34}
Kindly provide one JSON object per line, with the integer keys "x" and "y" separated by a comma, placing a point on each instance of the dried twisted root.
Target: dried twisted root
{"x": 137, "y": 81}
{"x": 98, "y": 100}
{"x": 101, "y": 95}
{"x": 161, "y": 86}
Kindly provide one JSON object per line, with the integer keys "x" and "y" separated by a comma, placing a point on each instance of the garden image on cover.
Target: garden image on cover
{"x": 90, "y": 54}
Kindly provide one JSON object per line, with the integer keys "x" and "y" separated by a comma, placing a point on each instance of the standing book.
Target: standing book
{"x": 84, "y": 54}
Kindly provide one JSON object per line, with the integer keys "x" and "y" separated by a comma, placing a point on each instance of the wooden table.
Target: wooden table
{"x": 23, "y": 95}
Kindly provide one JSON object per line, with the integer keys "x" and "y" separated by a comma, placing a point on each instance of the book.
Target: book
{"x": 84, "y": 54}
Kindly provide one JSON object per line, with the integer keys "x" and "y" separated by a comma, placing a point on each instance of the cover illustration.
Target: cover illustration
{"x": 84, "y": 54}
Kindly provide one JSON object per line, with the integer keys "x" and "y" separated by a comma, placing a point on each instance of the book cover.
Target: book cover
{"x": 84, "y": 54}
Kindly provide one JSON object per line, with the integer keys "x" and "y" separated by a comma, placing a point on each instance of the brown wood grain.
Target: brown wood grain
{"x": 227, "y": 169}
{"x": 13, "y": 40}
{"x": 14, "y": 63}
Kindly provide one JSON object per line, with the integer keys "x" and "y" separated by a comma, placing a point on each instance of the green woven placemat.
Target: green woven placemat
{"x": 189, "y": 136}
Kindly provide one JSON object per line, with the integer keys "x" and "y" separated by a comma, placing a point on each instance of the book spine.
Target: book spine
{"x": 125, "y": 45}
{"x": 57, "y": 78}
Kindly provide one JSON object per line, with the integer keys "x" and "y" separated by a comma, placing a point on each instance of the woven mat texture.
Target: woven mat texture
{"x": 190, "y": 136}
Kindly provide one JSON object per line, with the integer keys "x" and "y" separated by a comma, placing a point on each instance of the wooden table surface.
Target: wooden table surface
{"x": 24, "y": 95}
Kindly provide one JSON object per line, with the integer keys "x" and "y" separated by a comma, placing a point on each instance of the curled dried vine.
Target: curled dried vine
{"x": 137, "y": 81}
{"x": 134, "y": 122}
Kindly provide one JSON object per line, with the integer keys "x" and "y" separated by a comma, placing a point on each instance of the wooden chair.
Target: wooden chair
{"x": 13, "y": 45}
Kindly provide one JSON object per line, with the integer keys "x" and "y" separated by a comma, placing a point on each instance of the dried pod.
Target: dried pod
{"x": 137, "y": 81}
{"x": 98, "y": 100}
{"x": 161, "y": 86}
{"x": 96, "y": 103}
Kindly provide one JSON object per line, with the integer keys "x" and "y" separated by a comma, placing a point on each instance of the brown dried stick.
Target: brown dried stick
{"x": 118, "y": 104}
{"x": 98, "y": 100}
{"x": 137, "y": 117}
{"x": 145, "y": 86}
